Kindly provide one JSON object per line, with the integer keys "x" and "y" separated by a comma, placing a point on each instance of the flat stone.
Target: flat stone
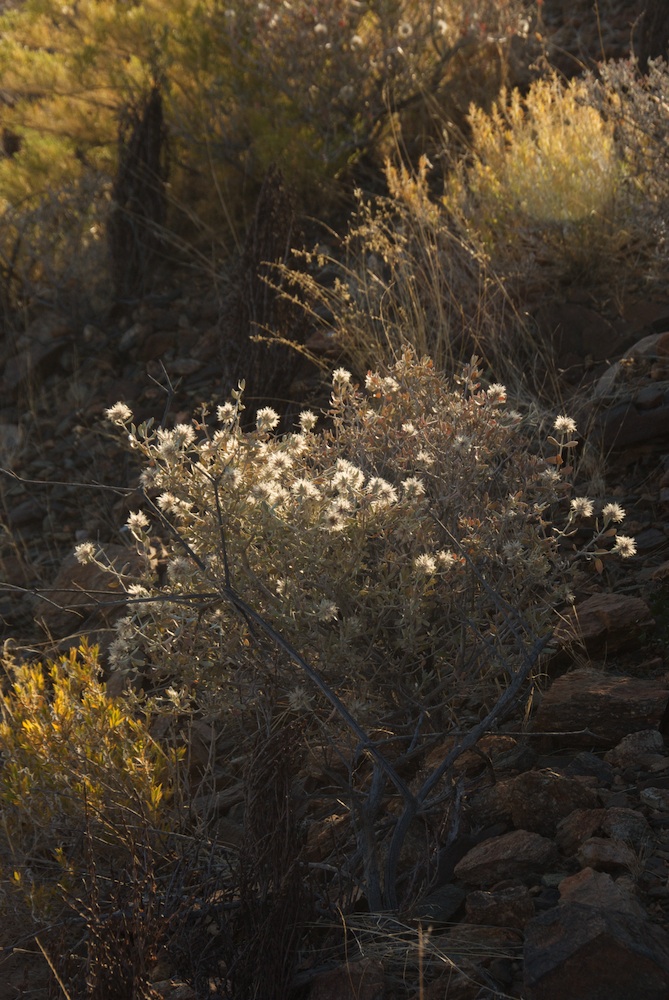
{"x": 597, "y": 889}
{"x": 589, "y": 708}
{"x": 627, "y": 825}
{"x": 578, "y": 827}
{"x": 583, "y": 952}
{"x": 604, "y": 622}
{"x": 636, "y": 749}
{"x": 513, "y": 855}
{"x": 604, "y": 854}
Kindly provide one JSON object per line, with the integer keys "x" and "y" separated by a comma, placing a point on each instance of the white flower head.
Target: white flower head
{"x": 382, "y": 493}
{"x": 137, "y": 521}
{"x": 341, "y": 377}
{"x": 613, "y": 512}
{"x": 327, "y": 611}
{"x": 446, "y": 558}
{"x": 85, "y": 553}
{"x": 333, "y": 519}
{"x": 266, "y": 419}
{"x": 119, "y": 414}
{"x": 496, "y": 393}
{"x": 225, "y": 414}
{"x": 581, "y": 507}
{"x": 564, "y": 425}
{"x": 307, "y": 421}
{"x": 347, "y": 476}
{"x": 425, "y": 563}
{"x": 304, "y": 489}
{"x": 179, "y": 570}
{"x": 412, "y": 488}
{"x": 625, "y": 547}
{"x": 404, "y": 30}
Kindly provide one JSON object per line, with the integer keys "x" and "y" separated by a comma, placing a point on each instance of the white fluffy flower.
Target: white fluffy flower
{"x": 613, "y": 512}
{"x": 581, "y": 507}
{"x": 565, "y": 425}
{"x": 85, "y": 553}
{"x": 425, "y": 563}
{"x": 119, "y": 414}
{"x": 625, "y": 547}
{"x": 266, "y": 419}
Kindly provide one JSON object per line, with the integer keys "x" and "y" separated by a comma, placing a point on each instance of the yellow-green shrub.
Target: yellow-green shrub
{"x": 545, "y": 184}
{"x": 75, "y": 759}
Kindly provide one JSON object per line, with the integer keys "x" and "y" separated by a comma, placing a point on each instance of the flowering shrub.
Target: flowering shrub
{"x": 389, "y": 547}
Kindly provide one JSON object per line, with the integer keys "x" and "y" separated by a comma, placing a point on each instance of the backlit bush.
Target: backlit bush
{"x": 389, "y": 547}
{"x": 545, "y": 185}
{"x": 408, "y": 274}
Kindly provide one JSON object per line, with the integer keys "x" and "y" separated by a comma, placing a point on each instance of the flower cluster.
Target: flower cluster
{"x": 417, "y": 506}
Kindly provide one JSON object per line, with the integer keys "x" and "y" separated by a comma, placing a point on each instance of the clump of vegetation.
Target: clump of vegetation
{"x": 242, "y": 86}
{"x": 85, "y": 798}
{"x": 561, "y": 184}
{"x": 547, "y": 187}
{"x": 387, "y": 546}
{"x": 380, "y": 545}
{"x": 409, "y": 275}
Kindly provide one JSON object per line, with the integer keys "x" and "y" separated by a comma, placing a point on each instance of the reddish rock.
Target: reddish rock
{"x": 627, "y": 825}
{"x": 511, "y": 907}
{"x": 538, "y": 800}
{"x": 606, "y": 855}
{"x": 604, "y": 622}
{"x": 363, "y": 980}
{"x": 513, "y": 855}
{"x": 490, "y": 805}
{"x": 588, "y": 708}
{"x": 587, "y": 952}
{"x": 641, "y": 750}
{"x": 578, "y": 827}
{"x": 592, "y": 888}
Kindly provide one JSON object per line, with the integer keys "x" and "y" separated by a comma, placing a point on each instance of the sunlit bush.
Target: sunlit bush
{"x": 388, "y": 547}
{"x": 545, "y": 185}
